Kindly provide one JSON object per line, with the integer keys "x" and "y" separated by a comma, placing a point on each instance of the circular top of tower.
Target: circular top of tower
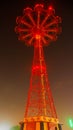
{"x": 38, "y": 24}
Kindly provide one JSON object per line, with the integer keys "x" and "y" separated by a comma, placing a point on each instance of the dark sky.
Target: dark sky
{"x": 16, "y": 60}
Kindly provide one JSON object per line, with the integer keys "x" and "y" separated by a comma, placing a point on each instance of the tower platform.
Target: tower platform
{"x": 40, "y": 123}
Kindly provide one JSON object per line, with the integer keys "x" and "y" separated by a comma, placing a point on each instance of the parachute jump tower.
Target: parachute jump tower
{"x": 39, "y": 27}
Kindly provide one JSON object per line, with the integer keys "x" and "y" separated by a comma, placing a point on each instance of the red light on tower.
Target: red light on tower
{"x": 50, "y": 7}
{"x": 39, "y": 27}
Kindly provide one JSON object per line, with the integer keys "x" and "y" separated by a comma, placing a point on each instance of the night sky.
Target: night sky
{"x": 16, "y": 61}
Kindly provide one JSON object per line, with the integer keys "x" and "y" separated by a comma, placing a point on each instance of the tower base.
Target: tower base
{"x": 40, "y": 123}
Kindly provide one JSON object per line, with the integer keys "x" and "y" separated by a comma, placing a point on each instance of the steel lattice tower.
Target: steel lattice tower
{"x": 39, "y": 27}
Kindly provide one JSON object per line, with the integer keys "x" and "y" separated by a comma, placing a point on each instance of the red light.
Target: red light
{"x": 39, "y": 7}
{"x": 50, "y": 8}
{"x": 38, "y": 67}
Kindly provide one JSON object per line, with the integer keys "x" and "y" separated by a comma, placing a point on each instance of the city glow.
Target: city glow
{"x": 4, "y": 126}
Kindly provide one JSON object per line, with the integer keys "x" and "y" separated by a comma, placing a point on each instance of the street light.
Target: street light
{"x": 71, "y": 123}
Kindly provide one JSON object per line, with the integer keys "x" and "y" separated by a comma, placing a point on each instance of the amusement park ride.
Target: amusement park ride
{"x": 39, "y": 27}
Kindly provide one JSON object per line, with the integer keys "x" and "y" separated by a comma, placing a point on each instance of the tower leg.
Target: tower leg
{"x": 24, "y": 128}
{"x": 37, "y": 125}
{"x": 46, "y": 126}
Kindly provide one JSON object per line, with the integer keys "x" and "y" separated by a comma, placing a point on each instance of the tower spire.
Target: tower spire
{"x": 39, "y": 27}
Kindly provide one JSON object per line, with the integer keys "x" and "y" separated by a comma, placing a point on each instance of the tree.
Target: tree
{"x": 15, "y": 128}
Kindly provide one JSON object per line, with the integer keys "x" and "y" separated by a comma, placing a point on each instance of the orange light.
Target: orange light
{"x": 38, "y": 36}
